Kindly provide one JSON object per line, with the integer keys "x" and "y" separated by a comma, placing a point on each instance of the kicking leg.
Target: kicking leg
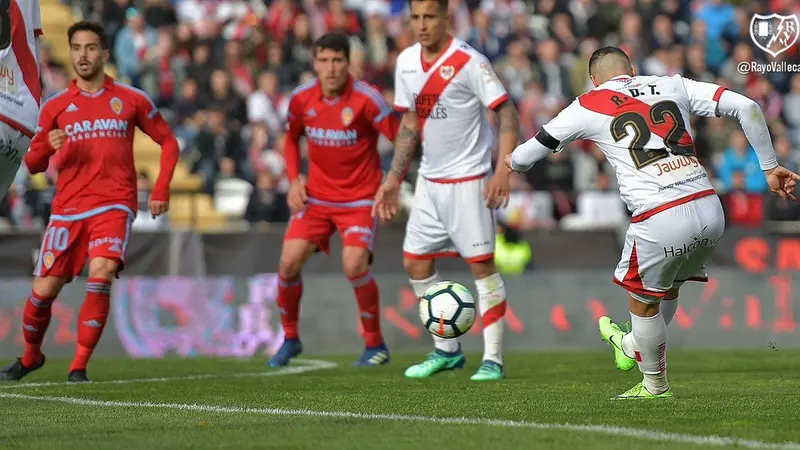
{"x": 492, "y": 302}
{"x": 356, "y": 267}
{"x": 35, "y": 320}
{"x": 624, "y": 342}
{"x": 294, "y": 255}
{"x": 447, "y": 354}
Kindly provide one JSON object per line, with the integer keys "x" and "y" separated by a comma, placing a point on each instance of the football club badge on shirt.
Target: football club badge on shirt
{"x": 347, "y": 116}
{"x": 48, "y": 259}
{"x": 116, "y": 105}
{"x": 447, "y": 72}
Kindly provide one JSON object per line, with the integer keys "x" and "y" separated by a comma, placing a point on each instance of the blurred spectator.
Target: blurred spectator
{"x": 135, "y": 43}
{"x": 266, "y": 203}
{"x": 598, "y": 208}
{"x": 741, "y": 207}
{"x": 218, "y": 150}
{"x": 262, "y": 105}
{"x": 791, "y": 110}
{"x": 739, "y": 168}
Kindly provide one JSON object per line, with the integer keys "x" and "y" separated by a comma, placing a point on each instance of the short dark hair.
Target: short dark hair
{"x": 603, "y": 52}
{"x": 336, "y": 41}
{"x": 88, "y": 25}
{"x": 444, "y": 5}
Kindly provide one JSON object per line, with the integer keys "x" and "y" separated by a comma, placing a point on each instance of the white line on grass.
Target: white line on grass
{"x": 302, "y": 366}
{"x": 711, "y": 440}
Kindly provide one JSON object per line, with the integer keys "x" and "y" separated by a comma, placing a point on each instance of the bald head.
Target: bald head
{"x": 607, "y": 63}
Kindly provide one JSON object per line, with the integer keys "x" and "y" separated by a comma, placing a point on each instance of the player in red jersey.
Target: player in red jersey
{"x": 342, "y": 120}
{"x": 89, "y": 128}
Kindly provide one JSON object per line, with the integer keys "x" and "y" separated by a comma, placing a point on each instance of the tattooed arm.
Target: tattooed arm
{"x": 509, "y": 131}
{"x": 405, "y": 145}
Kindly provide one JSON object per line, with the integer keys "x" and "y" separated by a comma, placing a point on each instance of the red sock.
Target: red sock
{"x": 289, "y": 293}
{"x": 368, "y": 299}
{"x": 35, "y": 320}
{"x": 91, "y": 320}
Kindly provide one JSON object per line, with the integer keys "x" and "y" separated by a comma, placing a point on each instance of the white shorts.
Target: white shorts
{"x": 13, "y": 146}
{"x": 450, "y": 219}
{"x": 669, "y": 247}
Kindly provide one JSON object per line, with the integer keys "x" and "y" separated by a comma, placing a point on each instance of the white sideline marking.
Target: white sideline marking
{"x": 308, "y": 365}
{"x": 299, "y": 366}
{"x": 648, "y": 435}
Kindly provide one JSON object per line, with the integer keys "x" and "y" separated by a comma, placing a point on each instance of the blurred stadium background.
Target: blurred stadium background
{"x": 221, "y": 72}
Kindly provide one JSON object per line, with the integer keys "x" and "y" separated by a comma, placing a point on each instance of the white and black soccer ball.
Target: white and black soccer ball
{"x": 447, "y": 309}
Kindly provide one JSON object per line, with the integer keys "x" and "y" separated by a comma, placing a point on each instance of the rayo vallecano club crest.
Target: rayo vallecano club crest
{"x": 116, "y": 105}
{"x": 347, "y": 116}
{"x": 774, "y": 33}
{"x": 447, "y": 72}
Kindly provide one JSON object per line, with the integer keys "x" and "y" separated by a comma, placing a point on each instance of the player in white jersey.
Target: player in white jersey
{"x": 20, "y": 86}
{"x": 444, "y": 88}
{"x": 641, "y": 123}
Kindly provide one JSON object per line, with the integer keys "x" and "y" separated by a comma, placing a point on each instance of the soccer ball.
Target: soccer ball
{"x": 447, "y": 309}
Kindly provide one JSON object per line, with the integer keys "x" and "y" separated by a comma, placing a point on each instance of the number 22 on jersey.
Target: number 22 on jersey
{"x": 663, "y": 119}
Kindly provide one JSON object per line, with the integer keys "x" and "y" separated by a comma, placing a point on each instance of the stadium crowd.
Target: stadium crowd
{"x": 222, "y": 72}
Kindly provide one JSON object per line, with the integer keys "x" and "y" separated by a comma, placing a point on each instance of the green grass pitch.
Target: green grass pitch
{"x": 741, "y": 399}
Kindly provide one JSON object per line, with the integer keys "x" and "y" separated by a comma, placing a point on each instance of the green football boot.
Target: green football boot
{"x": 612, "y": 334}
{"x": 639, "y": 392}
{"x": 489, "y": 371}
{"x": 437, "y": 361}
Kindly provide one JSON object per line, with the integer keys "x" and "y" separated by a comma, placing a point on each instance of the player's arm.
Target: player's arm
{"x": 488, "y": 87}
{"x": 291, "y": 142}
{"x": 38, "y": 157}
{"x": 408, "y": 134}
{"x": 564, "y": 128}
{"x": 710, "y": 100}
{"x": 151, "y": 122}
{"x": 405, "y": 144}
{"x": 295, "y": 128}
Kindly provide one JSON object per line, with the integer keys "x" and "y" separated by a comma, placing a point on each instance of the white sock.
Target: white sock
{"x": 492, "y": 306}
{"x": 668, "y": 308}
{"x": 650, "y": 334}
{"x": 420, "y": 286}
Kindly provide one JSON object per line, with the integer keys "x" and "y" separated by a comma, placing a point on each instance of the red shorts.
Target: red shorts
{"x": 319, "y": 220}
{"x": 69, "y": 240}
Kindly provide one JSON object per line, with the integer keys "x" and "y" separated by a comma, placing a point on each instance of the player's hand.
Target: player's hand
{"x": 782, "y": 182}
{"x": 297, "y": 196}
{"x": 158, "y": 207}
{"x": 497, "y": 189}
{"x": 387, "y": 203}
{"x": 56, "y": 138}
{"x": 508, "y": 163}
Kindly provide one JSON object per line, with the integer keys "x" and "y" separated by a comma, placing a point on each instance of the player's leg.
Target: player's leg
{"x": 108, "y": 235}
{"x": 426, "y": 239}
{"x": 358, "y": 229}
{"x": 60, "y": 259}
{"x": 306, "y": 233}
{"x": 711, "y": 217}
{"x": 472, "y": 229}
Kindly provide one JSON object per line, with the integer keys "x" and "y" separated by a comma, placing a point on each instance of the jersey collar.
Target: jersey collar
{"x": 620, "y": 77}
{"x": 426, "y": 66}
{"x": 108, "y": 83}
